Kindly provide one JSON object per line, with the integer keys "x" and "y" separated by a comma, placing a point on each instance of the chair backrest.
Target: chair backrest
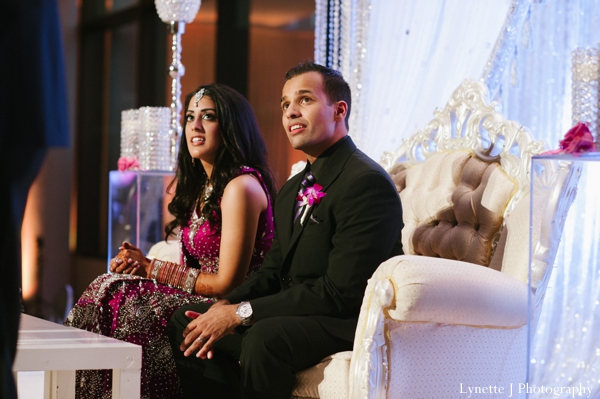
{"x": 460, "y": 180}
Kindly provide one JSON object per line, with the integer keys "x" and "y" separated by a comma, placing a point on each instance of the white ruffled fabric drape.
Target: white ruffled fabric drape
{"x": 404, "y": 58}
{"x": 411, "y": 58}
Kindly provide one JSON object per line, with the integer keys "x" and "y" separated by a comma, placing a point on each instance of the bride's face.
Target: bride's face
{"x": 202, "y": 130}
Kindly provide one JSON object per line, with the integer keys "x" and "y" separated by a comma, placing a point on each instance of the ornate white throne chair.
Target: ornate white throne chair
{"x": 451, "y": 314}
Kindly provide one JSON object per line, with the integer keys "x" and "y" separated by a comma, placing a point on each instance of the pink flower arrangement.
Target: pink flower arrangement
{"x": 310, "y": 196}
{"x": 577, "y": 141}
{"x": 128, "y": 163}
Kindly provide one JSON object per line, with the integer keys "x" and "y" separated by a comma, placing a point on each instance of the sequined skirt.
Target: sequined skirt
{"x": 137, "y": 310}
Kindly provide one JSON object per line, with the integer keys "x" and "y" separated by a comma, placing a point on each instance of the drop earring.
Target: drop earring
{"x": 194, "y": 162}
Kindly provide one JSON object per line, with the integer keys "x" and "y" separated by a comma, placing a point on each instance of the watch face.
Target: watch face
{"x": 245, "y": 311}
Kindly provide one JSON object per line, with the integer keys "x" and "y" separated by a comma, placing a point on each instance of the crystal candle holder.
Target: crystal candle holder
{"x": 154, "y": 140}
{"x": 585, "y": 98}
{"x": 130, "y": 124}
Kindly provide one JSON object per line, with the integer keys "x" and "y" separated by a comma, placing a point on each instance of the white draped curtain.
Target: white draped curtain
{"x": 565, "y": 351}
{"x": 404, "y": 58}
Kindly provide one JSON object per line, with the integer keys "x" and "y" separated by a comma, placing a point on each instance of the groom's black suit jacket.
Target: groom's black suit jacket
{"x": 320, "y": 269}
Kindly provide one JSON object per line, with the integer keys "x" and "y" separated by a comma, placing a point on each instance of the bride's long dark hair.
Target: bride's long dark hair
{"x": 241, "y": 145}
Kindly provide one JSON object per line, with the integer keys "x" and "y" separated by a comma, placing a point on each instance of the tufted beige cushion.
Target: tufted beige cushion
{"x": 398, "y": 175}
{"x": 453, "y": 205}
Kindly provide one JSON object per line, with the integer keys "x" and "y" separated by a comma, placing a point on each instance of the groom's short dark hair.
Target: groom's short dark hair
{"x": 334, "y": 85}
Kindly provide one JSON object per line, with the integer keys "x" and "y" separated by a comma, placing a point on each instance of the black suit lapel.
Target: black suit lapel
{"x": 297, "y": 228}
{"x": 285, "y": 219}
{"x": 328, "y": 171}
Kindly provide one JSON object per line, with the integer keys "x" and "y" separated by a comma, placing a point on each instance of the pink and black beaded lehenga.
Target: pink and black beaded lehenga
{"x": 137, "y": 309}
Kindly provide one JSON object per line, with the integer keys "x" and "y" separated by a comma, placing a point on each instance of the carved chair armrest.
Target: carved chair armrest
{"x": 419, "y": 289}
{"x": 436, "y": 290}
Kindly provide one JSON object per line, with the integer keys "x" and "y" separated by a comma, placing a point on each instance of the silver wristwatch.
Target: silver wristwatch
{"x": 244, "y": 312}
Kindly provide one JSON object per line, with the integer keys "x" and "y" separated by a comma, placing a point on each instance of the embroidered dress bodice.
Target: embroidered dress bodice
{"x": 200, "y": 243}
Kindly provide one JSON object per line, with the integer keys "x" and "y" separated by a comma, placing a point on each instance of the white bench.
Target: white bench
{"x": 58, "y": 351}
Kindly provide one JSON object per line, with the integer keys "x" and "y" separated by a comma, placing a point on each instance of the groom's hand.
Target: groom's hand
{"x": 206, "y": 329}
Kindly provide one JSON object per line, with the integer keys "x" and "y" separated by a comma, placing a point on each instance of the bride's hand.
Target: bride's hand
{"x": 122, "y": 265}
{"x": 130, "y": 260}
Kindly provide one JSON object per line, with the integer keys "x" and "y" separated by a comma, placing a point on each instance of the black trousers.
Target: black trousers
{"x": 255, "y": 362}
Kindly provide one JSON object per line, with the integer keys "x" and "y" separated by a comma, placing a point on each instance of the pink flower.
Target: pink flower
{"x": 311, "y": 196}
{"x": 128, "y": 163}
{"x": 576, "y": 141}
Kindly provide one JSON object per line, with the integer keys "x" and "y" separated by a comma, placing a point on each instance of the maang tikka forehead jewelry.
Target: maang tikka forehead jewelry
{"x": 198, "y": 96}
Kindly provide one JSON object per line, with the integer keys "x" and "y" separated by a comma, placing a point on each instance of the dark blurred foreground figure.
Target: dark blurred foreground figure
{"x": 334, "y": 224}
{"x": 33, "y": 117}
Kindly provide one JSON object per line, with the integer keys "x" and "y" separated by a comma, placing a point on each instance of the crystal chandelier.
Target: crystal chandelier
{"x": 176, "y": 13}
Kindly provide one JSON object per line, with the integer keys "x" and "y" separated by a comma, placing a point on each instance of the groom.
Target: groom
{"x": 303, "y": 304}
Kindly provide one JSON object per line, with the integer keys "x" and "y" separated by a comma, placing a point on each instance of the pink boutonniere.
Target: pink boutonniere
{"x": 128, "y": 163}
{"x": 311, "y": 196}
{"x": 576, "y": 141}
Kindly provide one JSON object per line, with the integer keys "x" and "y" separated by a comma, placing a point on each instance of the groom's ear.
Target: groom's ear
{"x": 341, "y": 109}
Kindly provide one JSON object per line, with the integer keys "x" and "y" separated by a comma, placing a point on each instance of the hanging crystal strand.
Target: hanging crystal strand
{"x": 176, "y": 71}
{"x": 347, "y": 36}
{"x": 330, "y": 35}
{"x": 585, "y": 95}
{"x": 321, "y": 32}
{"x": 335, "y": 29}
{"x": 498, "y": 61}
{"x": 359, "y": 64}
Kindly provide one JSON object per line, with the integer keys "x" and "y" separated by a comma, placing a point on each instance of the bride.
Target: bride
{"x": 223, "y": 214}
